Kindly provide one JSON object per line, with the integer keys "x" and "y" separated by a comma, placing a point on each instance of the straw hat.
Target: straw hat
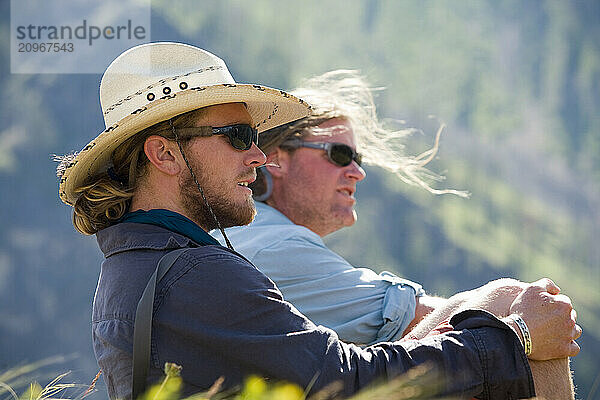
{"x": 154, "y": 82}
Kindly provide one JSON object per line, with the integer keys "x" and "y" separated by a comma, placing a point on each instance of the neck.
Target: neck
{"x": 296, "y": 218}
{"x": 147, "y": 203}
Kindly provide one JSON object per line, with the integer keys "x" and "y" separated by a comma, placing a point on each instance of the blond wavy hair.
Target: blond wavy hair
{"x": 107, "y": 197}
{"x": 346, "y": 95}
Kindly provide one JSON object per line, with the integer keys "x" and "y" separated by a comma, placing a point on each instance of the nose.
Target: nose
{"x": 254, "y": 157}
{"x": 355, "y": 172}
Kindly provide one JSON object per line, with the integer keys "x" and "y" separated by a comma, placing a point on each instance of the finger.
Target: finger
{"x": 573, "y": 349}
{"x": 548, "y": 285}
{"x": 577, "y": 331}
{"x": 574, "y": 315}
{"x": 553, "y": 289}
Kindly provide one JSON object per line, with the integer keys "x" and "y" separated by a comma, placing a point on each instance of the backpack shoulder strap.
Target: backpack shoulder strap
{"x": 142, "y": 327}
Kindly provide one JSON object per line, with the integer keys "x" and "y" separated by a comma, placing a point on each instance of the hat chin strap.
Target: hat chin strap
{"x": 212, "y": 213}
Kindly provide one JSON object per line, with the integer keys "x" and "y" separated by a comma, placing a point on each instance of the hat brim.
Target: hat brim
{"x": 268, "y": 108}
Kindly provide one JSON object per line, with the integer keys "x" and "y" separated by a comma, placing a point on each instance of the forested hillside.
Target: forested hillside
{"x": 516, "y": 82}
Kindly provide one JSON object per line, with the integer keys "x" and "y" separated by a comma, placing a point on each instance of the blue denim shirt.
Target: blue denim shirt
{"x": 216, "y": 315}
{"x": 362, "y": 306}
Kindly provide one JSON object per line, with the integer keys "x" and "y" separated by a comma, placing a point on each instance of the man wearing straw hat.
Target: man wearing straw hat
{"x": 175, "y": 160}
{"x": 310, "y": 194}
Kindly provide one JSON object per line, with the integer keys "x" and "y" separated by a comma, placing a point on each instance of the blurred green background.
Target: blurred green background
{"x": 516, "y": 82}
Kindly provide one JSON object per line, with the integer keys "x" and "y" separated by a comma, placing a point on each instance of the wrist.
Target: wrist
{"x": 513, "y": 326}
{"x": 518, "y": 325}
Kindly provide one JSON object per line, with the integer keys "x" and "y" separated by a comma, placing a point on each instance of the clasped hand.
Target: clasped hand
{"x": 551, "y": 320}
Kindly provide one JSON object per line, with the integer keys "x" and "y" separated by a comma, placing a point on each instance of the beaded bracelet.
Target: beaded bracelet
{"x": 524, "y": 332}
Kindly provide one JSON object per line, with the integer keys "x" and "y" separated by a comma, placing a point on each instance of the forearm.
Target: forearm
{"x": 443, "y": 310}
{"x": 478, "y": 344}
{"x": 553, "y": 379}
{"x": 494, "y": 297}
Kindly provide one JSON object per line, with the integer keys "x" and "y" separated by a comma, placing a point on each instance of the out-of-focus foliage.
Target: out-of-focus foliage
{"x": 418, "y": 383}
{"x": 24, "y": 379}
{"x": 516, "y": 81}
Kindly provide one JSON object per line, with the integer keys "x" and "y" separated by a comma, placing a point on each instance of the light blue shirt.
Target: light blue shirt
{"x": 360, "y": 305}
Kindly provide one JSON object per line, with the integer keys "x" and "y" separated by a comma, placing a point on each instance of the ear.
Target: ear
{"x": 161, "y": 153}
{"x": 281, "y": 158}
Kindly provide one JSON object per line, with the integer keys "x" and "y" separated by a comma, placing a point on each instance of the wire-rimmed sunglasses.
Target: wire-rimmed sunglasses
{"x": 241, "y": 136}
{"x": 339, "y": 154}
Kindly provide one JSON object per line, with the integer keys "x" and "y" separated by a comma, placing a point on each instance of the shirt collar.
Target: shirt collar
{"x": 267, "y": 214}
{"x": 126, "y": 236}
{"x": 172, "y": 221}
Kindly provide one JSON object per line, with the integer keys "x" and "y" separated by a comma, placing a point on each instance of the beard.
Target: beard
{"x": 308, "y": 202}
{"x": 227, "y": 212}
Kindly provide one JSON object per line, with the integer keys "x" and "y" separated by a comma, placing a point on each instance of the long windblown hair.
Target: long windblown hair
{"x": 345, "y": 94}
{"x": 107, "y": 197}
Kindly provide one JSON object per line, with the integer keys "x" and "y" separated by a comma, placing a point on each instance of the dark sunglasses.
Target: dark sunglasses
{"x": 241, "y": 136}
{"x": 339, "y": 154}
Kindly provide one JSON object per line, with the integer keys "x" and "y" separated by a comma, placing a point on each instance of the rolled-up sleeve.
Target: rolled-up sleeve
{"x": 360, "y": 305}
